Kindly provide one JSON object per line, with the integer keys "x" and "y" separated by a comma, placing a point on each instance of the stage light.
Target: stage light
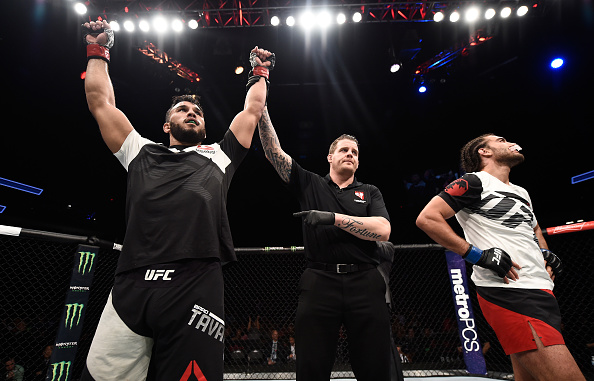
{"x": 357, "y": 17}
{"x": 472, "y": 14}
{"x": 395, "y": 67}
{"x": 557, "y": 63}
{"x": 274, "y": 21}
{"x": 239, "y": 70}
{"x": 2, "y": 207}
{"x": 521, "y": 11}
{"x": 129, "y": 26}
{"x": 505, "y": 12}
{"x": 324, "y": 19}
{"x": 115, "y": 25}
{"x": 340, "y": 18}
{"x": 144, "y": 26}
{"x": 290, "y": 21}
{"x": 490, "y": 13}
{"x": 177, "y": 25}
{"x": 80, "y": 8}
{"x": 439, "y": 16}
{"x": 307, "y": 20}
{"x": 454, "y": 16}
{"x": 193, "y": 24}
{"x": 422, "y": 89}
{"x": 160, "y": 24}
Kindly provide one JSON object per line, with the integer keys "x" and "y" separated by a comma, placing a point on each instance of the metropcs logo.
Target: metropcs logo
{"x": 86, "y": 259}
{"x": 60, "y": 369}
{"x": 469, "y": 334}
{"x": 73, "y": 312}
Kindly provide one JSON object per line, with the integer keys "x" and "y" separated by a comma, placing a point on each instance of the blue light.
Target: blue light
{"x": 557, "y": 63}
{"x": 582, "y": 177}
{"x": 2, "y": 207}
{"x": 422, "y": 89}
{"x": 20, "y": 186}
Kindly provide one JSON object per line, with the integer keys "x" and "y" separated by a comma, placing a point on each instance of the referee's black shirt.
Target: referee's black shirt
{"x": 330, "y": 244}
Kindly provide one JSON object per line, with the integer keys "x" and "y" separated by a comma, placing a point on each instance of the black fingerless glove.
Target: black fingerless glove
{"x": 494, "y": 259}
{"x": 553, "y": 261}
{"x": 316, "y": 217}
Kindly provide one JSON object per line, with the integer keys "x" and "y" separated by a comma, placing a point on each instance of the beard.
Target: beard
{"x": 187, "y": 135}
{"x": 511, "y": 159}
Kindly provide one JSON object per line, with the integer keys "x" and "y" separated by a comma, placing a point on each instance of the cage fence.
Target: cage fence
{"x": 261, "y": 293}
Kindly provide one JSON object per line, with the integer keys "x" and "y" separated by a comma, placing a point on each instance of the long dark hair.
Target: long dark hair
{"x": 470, "y": 159}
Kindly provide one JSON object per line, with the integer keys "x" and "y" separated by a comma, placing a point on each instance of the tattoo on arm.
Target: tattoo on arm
{"x": 272, "y": 149}
{"x": 353, "y": 226}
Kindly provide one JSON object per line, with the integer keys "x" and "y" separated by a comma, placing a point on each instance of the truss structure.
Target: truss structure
{"x": 247, "y": 13}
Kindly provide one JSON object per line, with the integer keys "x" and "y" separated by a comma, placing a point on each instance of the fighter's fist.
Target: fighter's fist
{"x": 262, "y": 57}
{"x": 98, "y": 32}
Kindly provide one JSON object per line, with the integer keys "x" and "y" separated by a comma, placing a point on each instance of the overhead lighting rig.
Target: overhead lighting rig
{"x": 196, "y": 14}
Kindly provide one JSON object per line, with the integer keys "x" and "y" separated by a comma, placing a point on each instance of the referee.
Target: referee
{"x": 342, "y": 219}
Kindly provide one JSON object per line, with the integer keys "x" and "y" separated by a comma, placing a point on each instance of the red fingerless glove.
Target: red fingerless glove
{"x": 98, "y": 51}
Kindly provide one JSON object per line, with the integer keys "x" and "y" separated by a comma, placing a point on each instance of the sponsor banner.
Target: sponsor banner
{"x": 71, "y": 322}
{"x": 467, "y": 328}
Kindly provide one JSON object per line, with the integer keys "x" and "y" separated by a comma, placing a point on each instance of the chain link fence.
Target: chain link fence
{"x": 261, "y": 297}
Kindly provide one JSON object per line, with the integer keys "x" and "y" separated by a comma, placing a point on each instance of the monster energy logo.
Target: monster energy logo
{"x": 60, "y": 369}
{"x": 83, "y": 261}
{"x": 73, "y": 311}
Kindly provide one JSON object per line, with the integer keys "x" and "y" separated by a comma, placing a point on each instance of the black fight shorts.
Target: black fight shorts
{"x": 162, "y": 322}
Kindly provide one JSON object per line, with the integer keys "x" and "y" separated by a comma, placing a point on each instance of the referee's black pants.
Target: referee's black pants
{"x": 326, "y": 301}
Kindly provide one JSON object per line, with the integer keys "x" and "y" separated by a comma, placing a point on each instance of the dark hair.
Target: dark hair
{"x": 341, "y": 137}
{"x": 470, "y": 159}
{"x": 195, "y": 99}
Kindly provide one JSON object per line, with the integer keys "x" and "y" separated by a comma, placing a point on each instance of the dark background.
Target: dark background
{"x": 325, "y": 84}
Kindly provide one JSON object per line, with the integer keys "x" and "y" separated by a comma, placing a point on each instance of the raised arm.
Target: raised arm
{"x": 280, "y": 160}
{"x": 244, "y": 123}
{"x": 113, "y": 124}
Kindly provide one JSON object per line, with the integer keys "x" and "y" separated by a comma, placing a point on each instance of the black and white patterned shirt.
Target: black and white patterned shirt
{"x": 176, "y": 201}
{"x": 495, "y": 214}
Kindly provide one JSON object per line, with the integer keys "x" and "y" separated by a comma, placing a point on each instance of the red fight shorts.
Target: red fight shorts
{"x": 509, "y": 312}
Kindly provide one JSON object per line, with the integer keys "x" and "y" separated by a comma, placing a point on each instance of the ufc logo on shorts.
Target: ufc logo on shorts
{"x": 496, "y": 256}
{"x": 156, "y": 274}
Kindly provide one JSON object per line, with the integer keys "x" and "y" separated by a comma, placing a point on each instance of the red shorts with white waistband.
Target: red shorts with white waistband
{"x": 511, "y": 312}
